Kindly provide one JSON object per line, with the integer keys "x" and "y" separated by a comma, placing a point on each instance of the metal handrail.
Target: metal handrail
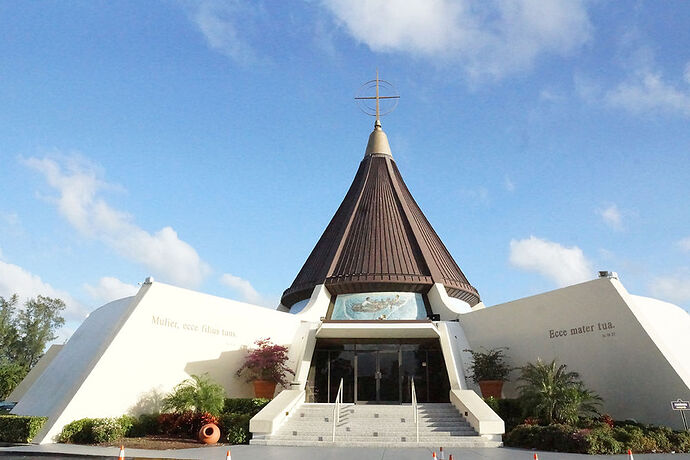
{"x": 415, "y": 409}
{"x": 336, "y": 407}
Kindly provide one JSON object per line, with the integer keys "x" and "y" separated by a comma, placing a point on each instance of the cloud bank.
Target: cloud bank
{"x": 487, "y": 38}
{"x": 562, "y": 265}
{"x": 17, "y": 280}
{"x": 79, "y": 201}
{"x": 109, "y": 288}
{"x": 246, "y": 291}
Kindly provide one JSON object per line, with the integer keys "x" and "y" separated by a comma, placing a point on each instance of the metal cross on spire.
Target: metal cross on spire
{"x": 378, "y": 85}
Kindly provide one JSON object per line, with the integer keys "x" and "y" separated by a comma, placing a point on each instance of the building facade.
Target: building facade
{"x": 380, "y": 303}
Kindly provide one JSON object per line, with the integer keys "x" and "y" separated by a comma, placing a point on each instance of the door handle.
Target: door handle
{"x": 377, "y": 376}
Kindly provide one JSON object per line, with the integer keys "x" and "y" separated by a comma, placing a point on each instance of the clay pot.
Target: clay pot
{"x": 209, "y": 433}
{"x": 491, "y": 388}
{"x": 264, "y": 388}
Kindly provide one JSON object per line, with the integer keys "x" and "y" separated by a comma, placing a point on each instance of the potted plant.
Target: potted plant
{"x": 265, "y": 367}
{"x": 489, "y": 370}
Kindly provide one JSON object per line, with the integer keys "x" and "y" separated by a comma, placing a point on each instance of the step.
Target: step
{"x": 475, "y": 442}
{"x": 376, "y": 425}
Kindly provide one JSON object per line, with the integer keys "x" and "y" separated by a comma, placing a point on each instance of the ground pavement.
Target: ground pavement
{"x": 66, "y": 451}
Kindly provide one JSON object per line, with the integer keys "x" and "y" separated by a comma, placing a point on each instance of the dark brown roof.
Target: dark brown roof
{"x": 379, "y": 240}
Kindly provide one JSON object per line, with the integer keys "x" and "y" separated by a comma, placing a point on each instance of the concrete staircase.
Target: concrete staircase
{"x": 375, "y": 426}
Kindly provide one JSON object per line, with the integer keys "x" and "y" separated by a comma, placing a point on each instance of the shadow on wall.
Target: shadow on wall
{"x": 150, "y": 402}
{"x": 222, "y": 371}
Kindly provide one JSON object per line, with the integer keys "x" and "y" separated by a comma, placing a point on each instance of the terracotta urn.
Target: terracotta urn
{"x": 491, "y": 388}
{"x": 209, "y": 433}
{"x": 264, "y": 388}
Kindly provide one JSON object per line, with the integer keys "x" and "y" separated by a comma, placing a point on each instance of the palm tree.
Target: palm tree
{"x": 554, "y": 394}
{"x": 198, "y": 394}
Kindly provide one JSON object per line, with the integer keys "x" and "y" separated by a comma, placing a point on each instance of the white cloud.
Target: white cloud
{"x": 563, "y": 265}
{"x": 491, "y": 38}
{"x": 109, "y": 288}
{"x": 612, "y": 217}
{"x": 17, "y": 280}
{"x": 646, "y": 92}
{"x": 674, "y": 288}
{"x": 219, "y": 22}
{"x": 245, "y": 289}
{"x": 163, "y": 252}
{"x": 684, "y": 244}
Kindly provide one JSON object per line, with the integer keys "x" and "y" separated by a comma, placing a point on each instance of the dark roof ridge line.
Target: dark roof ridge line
{"x": 346, "y": 232}
{"x": 428, "y": 257}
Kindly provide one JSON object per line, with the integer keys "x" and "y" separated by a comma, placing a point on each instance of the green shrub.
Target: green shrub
{"x": 127, "y": 422}
{"x": 250, "y": 406}
{"x": 19, "y": 428}
{"x": 96, "y": 430}
{"x": 601, "y": 441}
{"x": 107, "y": 430}
{"x": 77, "y": 432}
{"x": 235, "y": 428}
{"x": 595, "y": 437}
{"x": 143, "y": 425}
{"x": 526, "y": 436}
{"x": 557, "y": 438}
{"x": 680, "y": 440}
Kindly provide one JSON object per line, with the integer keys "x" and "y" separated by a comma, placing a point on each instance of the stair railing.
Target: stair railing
{"x": 336, "y": 407}
{"x": 415, "y": 409}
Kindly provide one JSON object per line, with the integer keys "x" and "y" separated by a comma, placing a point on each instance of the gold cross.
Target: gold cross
{"x": 377, "y": 97}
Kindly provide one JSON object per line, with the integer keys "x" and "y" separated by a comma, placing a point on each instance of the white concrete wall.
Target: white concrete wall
{"x": 129, "y": 353}
{"x": 34, "y": 373}
{"x": 636, "y": 365}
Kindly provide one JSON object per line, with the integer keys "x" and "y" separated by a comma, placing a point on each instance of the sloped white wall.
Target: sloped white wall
{"x": 624, "y": 363}
{"x": 129, "y": 353}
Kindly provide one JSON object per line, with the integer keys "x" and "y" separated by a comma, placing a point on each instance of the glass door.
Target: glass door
{"x": 378, "y": 376}
{"x": 367, "y": 373}
{"x": 388, "y": 377}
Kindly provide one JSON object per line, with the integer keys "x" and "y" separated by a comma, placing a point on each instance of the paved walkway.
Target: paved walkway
{"x": 64, "y": 451}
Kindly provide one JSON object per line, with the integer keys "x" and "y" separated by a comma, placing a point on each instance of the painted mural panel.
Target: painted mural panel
{"x": 379, "y": 305}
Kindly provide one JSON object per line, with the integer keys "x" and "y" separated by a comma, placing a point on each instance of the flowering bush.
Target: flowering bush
{"x": 106, "y": 430}
{"x": 266, "y": 362}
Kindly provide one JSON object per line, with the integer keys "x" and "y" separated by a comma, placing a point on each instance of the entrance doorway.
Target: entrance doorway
{"x": 377, "y": 376}
{"x": 378, "y": 372}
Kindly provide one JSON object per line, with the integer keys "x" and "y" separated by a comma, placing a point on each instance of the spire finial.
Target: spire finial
{"x": 378, "y": 112}
{"x": 365, "y": 101}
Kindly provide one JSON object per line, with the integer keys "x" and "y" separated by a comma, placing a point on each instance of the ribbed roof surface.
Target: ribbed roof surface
{"x": 379, "y": 240}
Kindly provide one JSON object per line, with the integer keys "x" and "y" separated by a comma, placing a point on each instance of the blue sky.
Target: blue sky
{"x": 208, "y": 143}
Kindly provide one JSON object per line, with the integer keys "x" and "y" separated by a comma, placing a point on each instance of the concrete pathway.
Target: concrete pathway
{"x": 65, "y": 451}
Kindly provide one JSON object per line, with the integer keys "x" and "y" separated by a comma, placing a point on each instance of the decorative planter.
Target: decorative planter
{"x": 209, "y": 433}
{"x": 491, "y": 388}
{"x": 264, "y": 388}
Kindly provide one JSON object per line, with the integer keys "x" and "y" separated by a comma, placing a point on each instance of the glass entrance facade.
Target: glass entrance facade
{"x": 378, "y": 372}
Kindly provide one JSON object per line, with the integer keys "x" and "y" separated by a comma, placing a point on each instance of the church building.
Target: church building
{"x": 379, "y": 319}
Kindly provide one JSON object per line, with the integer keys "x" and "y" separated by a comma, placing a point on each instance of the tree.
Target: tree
{"x": 24, "y": 334}
{"x": 554, "y": 394}
{"x": 9, "y": 333}
{"x": 38, "y": 322}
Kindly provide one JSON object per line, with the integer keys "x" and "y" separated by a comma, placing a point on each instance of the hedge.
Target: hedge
{"x": 97, "y": 430}
{"x": 233, "y": 423}
{"x": 20, "y": 428}
{"x": 599, "y": 438}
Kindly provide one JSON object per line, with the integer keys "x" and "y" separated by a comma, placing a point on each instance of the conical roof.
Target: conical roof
{"x": 379, "y": 239}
